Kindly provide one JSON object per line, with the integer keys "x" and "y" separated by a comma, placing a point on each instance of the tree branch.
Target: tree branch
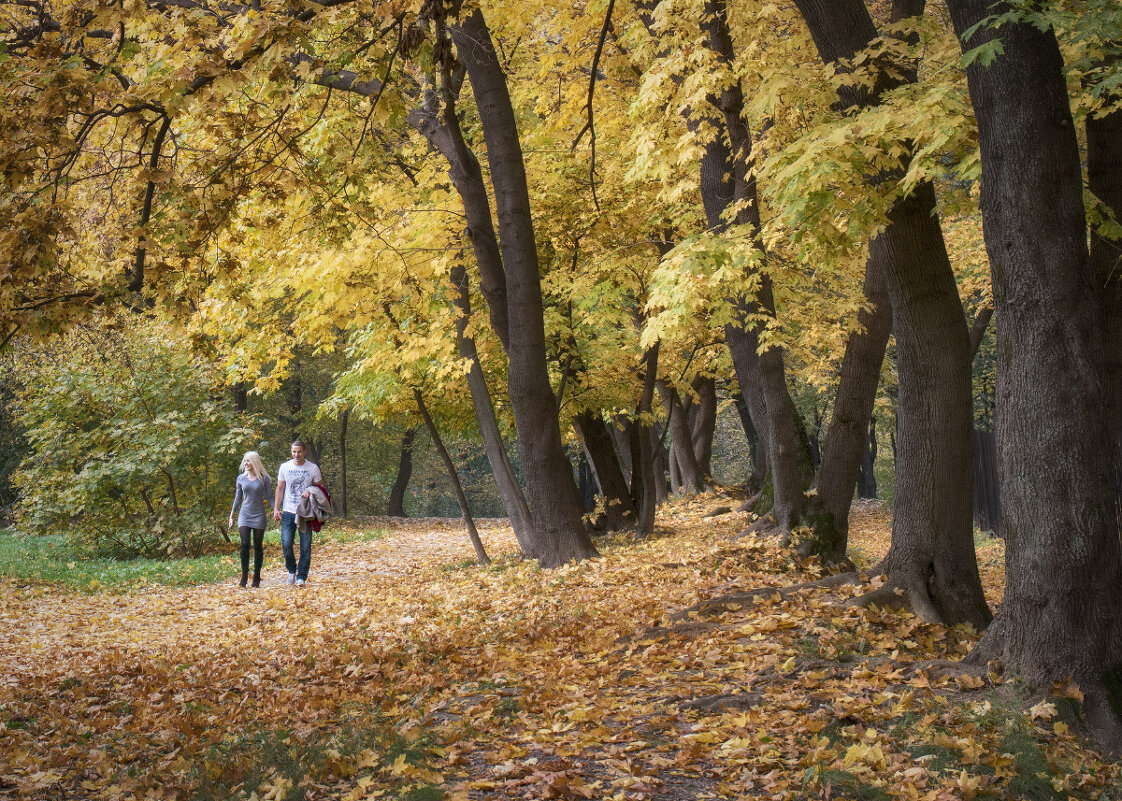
{"x": 590, "y": 126}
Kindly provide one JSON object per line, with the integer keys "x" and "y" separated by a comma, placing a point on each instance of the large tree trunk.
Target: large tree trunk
{"x": 454, "y": 477}
{"x": 619, "y": 509}
{"x": 562, "y": 536}
{"x": 848, "y": 433}
{"x": 404, "y": 472}
{"x": 514, "y": 502}
{"x": 644, "y": 490}
{"x": 1059, "y": 615}
{"x": 1104, "y": 178}
{"x": 343, "y": 420}
{"x": 932, "y": 553}
{"x": 756, "y": 450}
{"x": 866, "y": 478}
{"x": 702, "y": 415}
{"x": 691, "y": 481}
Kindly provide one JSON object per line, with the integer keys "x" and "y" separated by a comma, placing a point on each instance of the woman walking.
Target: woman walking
{"x": 252, "y": 488}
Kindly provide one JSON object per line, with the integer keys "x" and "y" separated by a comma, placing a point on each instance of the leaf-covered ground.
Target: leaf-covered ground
{"x": 404, "y": 671}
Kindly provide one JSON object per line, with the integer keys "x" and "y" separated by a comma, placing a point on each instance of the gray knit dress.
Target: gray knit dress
{"x": 251, "y": 493}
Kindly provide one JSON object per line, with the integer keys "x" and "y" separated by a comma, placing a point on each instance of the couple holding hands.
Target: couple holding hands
{"x": 301, "y": 503}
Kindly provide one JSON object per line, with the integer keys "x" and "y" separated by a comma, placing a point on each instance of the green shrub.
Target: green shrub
{"x": 132, "y": 449}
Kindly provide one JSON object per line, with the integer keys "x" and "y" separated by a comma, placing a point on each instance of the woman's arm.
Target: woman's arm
{"x": 237, "y": 500}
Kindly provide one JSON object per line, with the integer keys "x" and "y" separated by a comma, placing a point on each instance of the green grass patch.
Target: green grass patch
{"x": 841, "y": 784}
{"x": 936, "y": 758}
{"x": 277, "y": 761}
{"x": 1034, "y": 775}
{"x": 50, "y": 559}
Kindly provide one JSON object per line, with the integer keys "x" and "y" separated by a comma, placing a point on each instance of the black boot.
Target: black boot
{"x": 243, "y": 581}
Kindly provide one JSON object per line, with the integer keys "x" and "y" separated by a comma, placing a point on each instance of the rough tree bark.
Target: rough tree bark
{"x": 396, "y": 506}
{"x": 619, "y": 510}
{"x": 932, "y": 554}
{"x": 343, "y": 420}
{"x": 691, "y": 481}
{"x": 702, "y": 415}
{"x": 1059, "y": 615}
{"x": 848, "y": 432}
{"x": 562, "y": 536}
{"x": 1104, "y": 178}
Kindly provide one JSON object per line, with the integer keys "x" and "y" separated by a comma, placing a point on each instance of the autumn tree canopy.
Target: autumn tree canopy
{"x": 567, "y": 224}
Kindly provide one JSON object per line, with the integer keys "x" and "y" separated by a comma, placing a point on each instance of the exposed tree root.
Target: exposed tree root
{"x": 750, "y": 504}
{"x": 720, "y": 604}
{"x": 720, "y": 510}
{"x": 766, "y": 525}
{"x": 1103, "y": 719}
{"x": 689, "y": 628}
{"x": 908, "y": 592}
{"x": 724, "y": 702}
{"x": 806, "y": 550}
{"x": 1100, "y": 704}
{"x": 948, "y": 668}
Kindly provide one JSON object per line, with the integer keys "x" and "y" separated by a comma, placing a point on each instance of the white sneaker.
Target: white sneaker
{"x": 291, "y": 578}
{"x": 300, "y": 582}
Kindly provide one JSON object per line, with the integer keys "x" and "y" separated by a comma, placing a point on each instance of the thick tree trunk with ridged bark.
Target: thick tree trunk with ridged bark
{"x": 691, "y": 481}
{"x": 848, "y": 432}
{"x": 619, "y": 510}
{"x": 1063, "y": 567}
{"x": 932, "y": 554}
{"x": 1104, "y": 179}
{"x": 561, "y": 534}
{"x": 396, "y": 506}
{"x": 702, "y": 416}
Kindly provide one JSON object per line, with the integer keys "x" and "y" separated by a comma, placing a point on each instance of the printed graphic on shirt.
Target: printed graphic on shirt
{"x": 297, "y": 483}
{"x": 296, "y": 480}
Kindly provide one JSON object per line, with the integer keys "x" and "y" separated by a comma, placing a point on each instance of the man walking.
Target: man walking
{"x": 293, "y": 480}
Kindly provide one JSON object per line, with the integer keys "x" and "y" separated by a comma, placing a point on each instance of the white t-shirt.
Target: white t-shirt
{"x": 297, "y": 478}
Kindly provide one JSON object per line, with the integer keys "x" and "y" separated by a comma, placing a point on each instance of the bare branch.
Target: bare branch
{"x": 590, "y": 126}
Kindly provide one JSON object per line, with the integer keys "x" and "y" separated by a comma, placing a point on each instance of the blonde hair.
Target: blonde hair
{"x": 254, "y": 458}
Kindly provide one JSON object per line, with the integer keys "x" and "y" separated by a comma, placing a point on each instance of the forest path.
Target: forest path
{"x": 403, "y": 670}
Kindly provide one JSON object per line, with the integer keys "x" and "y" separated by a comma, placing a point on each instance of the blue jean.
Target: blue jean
{"x": 288, "y": 536}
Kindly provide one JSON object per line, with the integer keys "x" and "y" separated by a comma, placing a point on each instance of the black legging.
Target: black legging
{"x": 258, "y": 551}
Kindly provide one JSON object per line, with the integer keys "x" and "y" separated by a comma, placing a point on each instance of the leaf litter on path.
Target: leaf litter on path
{"x": 403, "y": 670}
